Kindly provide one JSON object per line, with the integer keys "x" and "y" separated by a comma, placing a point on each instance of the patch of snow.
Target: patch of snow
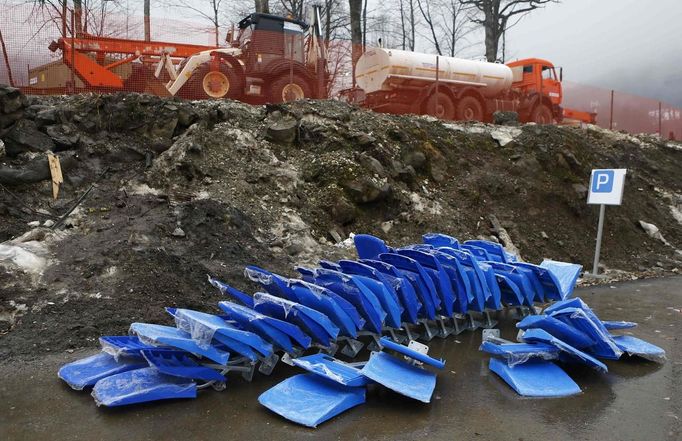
{"x": 144, "y": 189}
{"x": 347, "y": 243}
{"x": 502, "y": 134}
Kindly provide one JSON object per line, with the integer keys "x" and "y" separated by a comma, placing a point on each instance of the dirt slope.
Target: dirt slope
{"x": 185, "y": 189}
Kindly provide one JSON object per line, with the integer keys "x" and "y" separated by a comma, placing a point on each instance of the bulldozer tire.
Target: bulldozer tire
{"x": 206, "y": 84}
{"x": 469, "y": 108}
{"x": 542, "y": 115}
{"x": 283, "y": 89}
{"x": 440, "y": 105}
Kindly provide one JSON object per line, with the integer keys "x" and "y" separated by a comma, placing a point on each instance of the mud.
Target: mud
{"x": 636, "y": 400}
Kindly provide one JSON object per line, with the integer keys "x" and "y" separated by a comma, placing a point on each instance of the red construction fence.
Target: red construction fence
{"x": 27, "y": 32}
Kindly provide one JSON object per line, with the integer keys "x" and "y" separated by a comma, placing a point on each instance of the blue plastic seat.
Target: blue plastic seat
{"x": 378, "y": 282}
{"x": 310, "y": 400}
{"x": 438, "y": 240}
{"x": 536, "y": 378}
{"x": 180, "y": 364}
{"x": 123, "y": 346}
{"x": 314, "y": 323}
{"x": 439, "y": 278}
{"x": 229, "y": 291}
{"x": 568, "y": 352}
{"x": 604, "y": 346}
{"x": 323, "y": 300}
{"x": 557, "y": 328}
{"x": 279, "y": 332}
{"x": 400, "y": 376}
{"x": 160, "y": 335}
{"x": 87, "y": 371}
{"x": 332, "y": 369}
{"x": 480, "y": 283}
{"x": 369, "y": 247}
{"x": 205, "y": 327}
{"x": 520, "y": 279}
{"x": 478, "y": 252}
{"x": 141, "y": 386}
{"x": 566, "y": 274}
{"x": 519, "y": 353}
{"x": 358, "y": 295}
{"x": 421, "y": 281}
{"x": 403, "y": 287}
{"x": 495, "y": 250}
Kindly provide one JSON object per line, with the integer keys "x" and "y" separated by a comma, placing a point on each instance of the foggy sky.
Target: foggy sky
{"x": 630, "y": 45}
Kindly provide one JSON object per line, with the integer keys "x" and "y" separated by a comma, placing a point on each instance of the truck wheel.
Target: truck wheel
{"x": 469, "y": 109}
{"x": 542, "y": 115}
{"x": 206, "y": 84}
{"x": 283, "y": 90}
{"x": 440, "y": 105}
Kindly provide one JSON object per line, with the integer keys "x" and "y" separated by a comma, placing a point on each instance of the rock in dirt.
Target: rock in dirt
{"x": 283, "y": 131}
{"x": 24, "y": 136}
{"x": 178, "y": 232}
{"x": 366, "y": 190}
{"x": 2, "y": 149}
{"x": 506, "y": 118}
{"x": 653, "y": 231}
{"x": 12, "y": 104}
{"x": 35, "y": 170}
{"x": 64, "y": 135}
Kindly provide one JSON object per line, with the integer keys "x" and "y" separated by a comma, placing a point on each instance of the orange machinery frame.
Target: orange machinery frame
{"x": 96, "y": 74}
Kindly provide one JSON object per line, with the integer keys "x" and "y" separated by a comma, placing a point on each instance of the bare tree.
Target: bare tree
{"x": 262, "y": 6}
{"x": 207, "y": 9}
{"x": 295, "y": 8}
{"x": 457, "y": 25}
{"x": 495, "y": 18}
{"x": 147, "y": 22}
{"x": 6, "y": 57}
{"x": 425, "y": 9}
{"x": 355, "y": 7}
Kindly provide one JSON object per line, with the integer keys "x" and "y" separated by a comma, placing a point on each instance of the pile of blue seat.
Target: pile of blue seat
{"x": 566, "y": 332}
{"x": 419, "y": 291}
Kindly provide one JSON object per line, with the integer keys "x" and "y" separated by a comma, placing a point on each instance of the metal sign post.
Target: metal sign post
{"x": 606, "y": 188}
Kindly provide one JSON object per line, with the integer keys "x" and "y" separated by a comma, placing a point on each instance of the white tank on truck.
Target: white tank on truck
{"x": 381, "y": 69}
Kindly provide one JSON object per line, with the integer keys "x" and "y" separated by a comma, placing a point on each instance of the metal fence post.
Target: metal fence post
{"x": 437, "y": 79}
{"x": 611, "y": 111}
{"x": 73, "y": 53}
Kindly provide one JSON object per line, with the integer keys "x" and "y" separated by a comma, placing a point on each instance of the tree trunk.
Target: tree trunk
{"x": 78, "y": 16}
{"x": 355, "y": 7}
{"x": 364, "y": 26}
{"x": 4, "y": 54}
{"x": 262, "y": 6}
{"x": 147, "y": 22}
{"x": 492, "y": 39}
{"x": 412, "y": 26}
{"x": 402, "y": 25}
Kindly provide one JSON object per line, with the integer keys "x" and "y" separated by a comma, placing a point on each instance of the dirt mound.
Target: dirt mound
{"x": 184, "y": 189}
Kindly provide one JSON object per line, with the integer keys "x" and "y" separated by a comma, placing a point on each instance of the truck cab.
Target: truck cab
{"x": 535, "y": 77}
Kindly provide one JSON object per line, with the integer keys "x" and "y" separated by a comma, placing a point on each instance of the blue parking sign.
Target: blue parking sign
{"x": 602, "y": 181}
{"x": 606, "y": 186}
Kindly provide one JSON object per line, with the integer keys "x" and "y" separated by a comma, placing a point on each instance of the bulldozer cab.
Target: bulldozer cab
{"x": 265, "y": 38}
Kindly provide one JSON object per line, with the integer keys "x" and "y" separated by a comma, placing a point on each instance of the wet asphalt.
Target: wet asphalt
{"x": 636, "y": 400}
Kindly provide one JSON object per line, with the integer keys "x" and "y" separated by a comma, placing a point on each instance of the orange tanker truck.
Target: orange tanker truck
{"x": 396, "y": 81}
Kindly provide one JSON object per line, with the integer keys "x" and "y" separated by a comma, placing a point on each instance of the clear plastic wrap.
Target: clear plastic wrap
{"x": 519, "y": 353}
{"x": 139, "y": 386}
{"x": 261, "y": 297}
{"x": 200, "y": 331}
{"x": 258, "y": 276}
{"x": 566, "y": 274}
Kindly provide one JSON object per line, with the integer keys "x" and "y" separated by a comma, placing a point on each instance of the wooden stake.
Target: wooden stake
{"x": 56, "y": 172}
